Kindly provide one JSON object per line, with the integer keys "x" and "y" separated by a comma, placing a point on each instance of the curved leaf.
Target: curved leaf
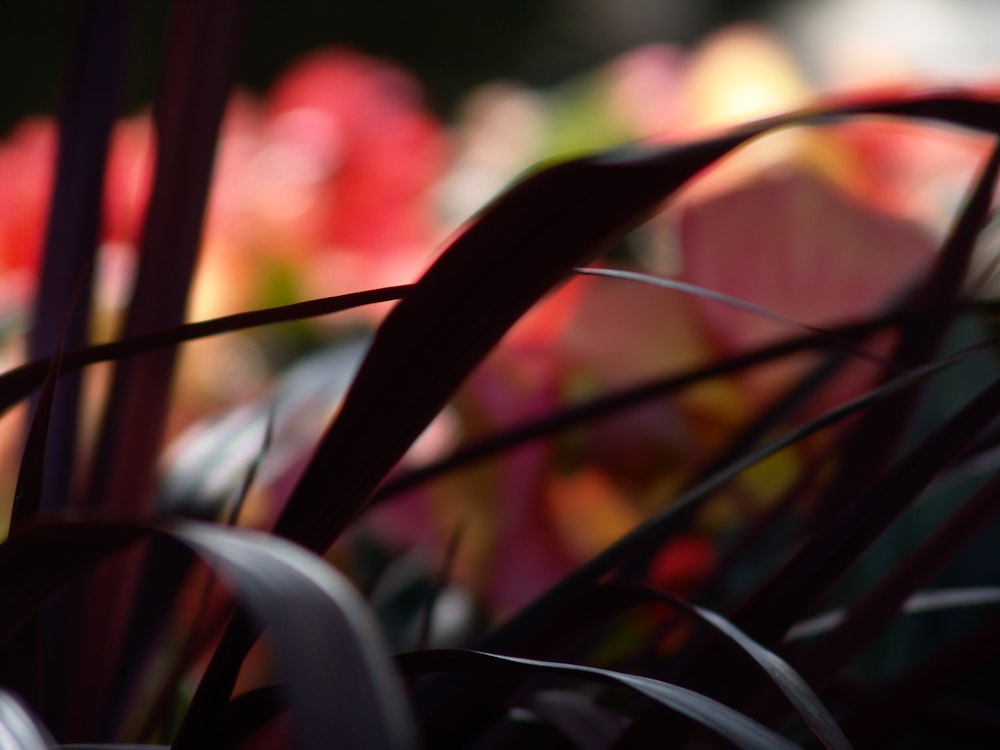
{"x": 734, "y": 726}
{"x": 19, "y": 730}
{"x": 518, "y": 248}
{"x": 339, "y": 680}
{"x": 798, "y": 692}
{"x": 739, "y": 304}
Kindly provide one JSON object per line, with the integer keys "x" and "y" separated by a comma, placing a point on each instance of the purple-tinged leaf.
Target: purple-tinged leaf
{"x": 90, "y": 105}
{"x": 200, "y": 66}
{"x": 199, "y": 71}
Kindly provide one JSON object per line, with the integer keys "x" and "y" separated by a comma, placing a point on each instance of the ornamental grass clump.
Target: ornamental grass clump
{"x": 665, "y": 513}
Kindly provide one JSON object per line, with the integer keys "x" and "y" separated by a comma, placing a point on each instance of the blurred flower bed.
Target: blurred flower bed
{"x": 339, "y": 179}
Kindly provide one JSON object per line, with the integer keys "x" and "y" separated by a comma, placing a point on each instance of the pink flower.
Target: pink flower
{"x": 27, "y": 159}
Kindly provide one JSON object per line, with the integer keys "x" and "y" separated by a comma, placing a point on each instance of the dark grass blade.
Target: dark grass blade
{"x": 886, "y": 709}
{"x": 929, "y": 600}
{"x": 536, "y": 629}
{"x": 202, "y": 45}
{"x": 19, "y": 729}
{"x": 24, "y": 667}
{"x": 732, "y": 725}
{"x": 87, "y": 114}
{"x": 934, "y": 305}
{"x": 199, "y": 71}
{"x": 742, "y": 305}
{"x": 90, "y": 105}
{"x": 518, "y": 248}
{"x": 810, "y": 572}
{"x": 31, "y": 473}
{"x": 870, "y": 614}
{"x": 339, "y": 680}
{"x": 17, "y": 384}
{"x": 857, "y": 506}
{"x": 21, "y": 660}
{"x": 165, "y": 574}
{"x": 780, "y": 672}
{"x": 602, "y": 406}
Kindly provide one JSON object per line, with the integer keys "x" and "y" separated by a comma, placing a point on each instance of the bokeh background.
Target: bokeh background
{"x": 452, "y": 45}
{"x": 363, "y": 190}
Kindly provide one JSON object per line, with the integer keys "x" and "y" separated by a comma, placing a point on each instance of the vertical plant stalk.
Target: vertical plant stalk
{"x": 88, "y": 111}
{"x": 200, "y": 67}
{"x": 85, "y": 123}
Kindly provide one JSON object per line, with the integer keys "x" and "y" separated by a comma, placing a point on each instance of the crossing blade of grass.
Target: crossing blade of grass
{"x": 742, "y": 305}
{"x": 19, "y": 729}
{"x": 930, "y": 600}
{"x": 858, "y": 506}
{"x": 519, "y": 248}
{"x": 31, "y": 474}
{"x": 17, "y": 384}
{"x": 780, "y": 672}
{"x": 21, "y": 661}
{"x": 734, "y": 726}
{"x": 339, "y": 681}
{"x": 872, "y": 612}
{"x": 521, "y": 634}
{"x": 934, "y": 304}
{"x": 811, "y": 571}
{"x": 516, "y": 250}
{"x": 167, "y": 569}
{"x": 616, "y": 401}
